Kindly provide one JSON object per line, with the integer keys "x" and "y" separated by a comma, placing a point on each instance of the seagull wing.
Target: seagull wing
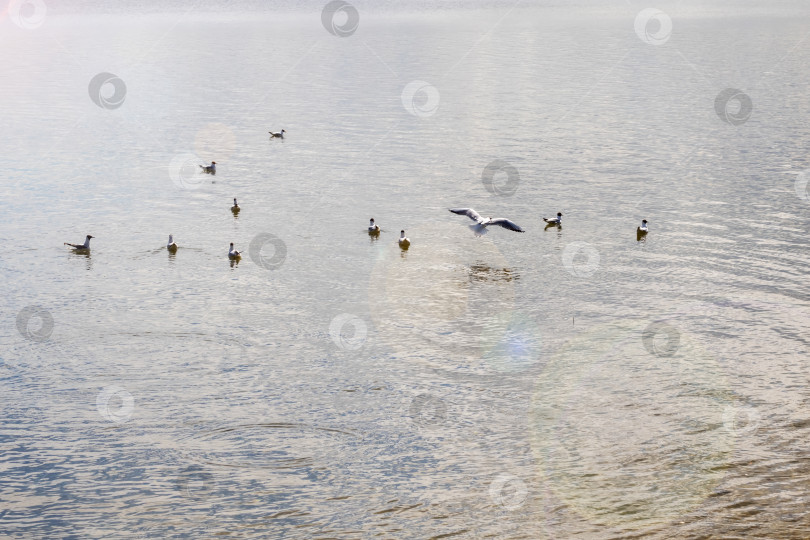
{"x": 506, "y": 224}
{"x": 469, "y": 212}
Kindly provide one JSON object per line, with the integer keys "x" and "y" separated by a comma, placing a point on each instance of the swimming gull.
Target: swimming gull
{"x": 86, "y": 244}
{"x": 233, "y": 254}
{"x": 404, "y": 243}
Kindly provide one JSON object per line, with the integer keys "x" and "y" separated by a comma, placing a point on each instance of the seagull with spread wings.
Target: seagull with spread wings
{"x": 481, "y": 224}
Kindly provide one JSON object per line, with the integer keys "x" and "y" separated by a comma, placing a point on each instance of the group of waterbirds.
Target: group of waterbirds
{"x": 171, "y": 245}
{"x": 481, "y": 224}
{"x": 479, "y": 228}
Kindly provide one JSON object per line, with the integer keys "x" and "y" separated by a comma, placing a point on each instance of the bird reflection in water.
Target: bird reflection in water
{"x": 484, "y": 272}
{"x": 235, "y": 261}
{"x": 82, "y": 254}
{"x": 556, "y": 226}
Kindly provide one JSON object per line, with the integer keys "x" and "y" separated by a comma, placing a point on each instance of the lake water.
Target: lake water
{"x": 579, "y": 382}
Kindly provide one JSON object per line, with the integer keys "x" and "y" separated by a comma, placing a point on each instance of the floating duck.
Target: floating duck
{"x": 481, "y": 224}
{"x": 404, "y": 243}
{"x": 555, "y": 220}
{"x": 373, "y": 228}
{"x": 171, "y": 246}
{"x": 209, "y": 169}
{"x": 233, "y": 254}
{"x": 278, "y": 135}
{"x": 86, "y": 244}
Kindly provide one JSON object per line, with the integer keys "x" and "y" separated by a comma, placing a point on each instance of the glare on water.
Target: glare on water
{"x": 574, "y": 381}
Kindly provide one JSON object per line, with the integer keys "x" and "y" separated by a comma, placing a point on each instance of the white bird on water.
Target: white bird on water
{"x": 643, "y": 228}
{"x": 481, "y": 224}
{"x": 209, "y": 169}
{"x": 373, "y": 227}
{"x": 86, "y": 244}
{"x": 554, "y": 221}
{"x": 235, "y": 208}
{"x": 277, "y": 135}
{"x": 233, "y": 254}
{"x": 404, "y": 243}
{"x": 171, "y": 246}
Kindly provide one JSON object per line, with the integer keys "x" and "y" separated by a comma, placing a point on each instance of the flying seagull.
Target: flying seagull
{"x": 481, "y": 224}
{"x": 86, "y": 244}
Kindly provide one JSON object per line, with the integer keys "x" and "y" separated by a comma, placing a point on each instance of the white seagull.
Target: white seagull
{"x": 554, "y": 221}
{"x": 209, "y": 169}
{"x": 233, "y": 254}
{"x": 481, "y": 224}
{"x": 372, "y": 227}
{"x": 86, "y": 244}
{"x": 278, "y": 135}
{"x": 235, "y": 208}
{"x": 643, "y": 228}
{"x": 171, "y": 246}
{"x": 404, "y": 243}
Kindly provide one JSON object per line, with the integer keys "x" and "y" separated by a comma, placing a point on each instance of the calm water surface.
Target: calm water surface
{"x": 564, "y": 383}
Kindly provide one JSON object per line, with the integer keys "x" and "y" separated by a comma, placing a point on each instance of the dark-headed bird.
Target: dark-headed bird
{"x": 404, "y": 243}
{"x": 233, "y": 254}
{"x": 86, "y": 244}
{"x": 481, "y": 224}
